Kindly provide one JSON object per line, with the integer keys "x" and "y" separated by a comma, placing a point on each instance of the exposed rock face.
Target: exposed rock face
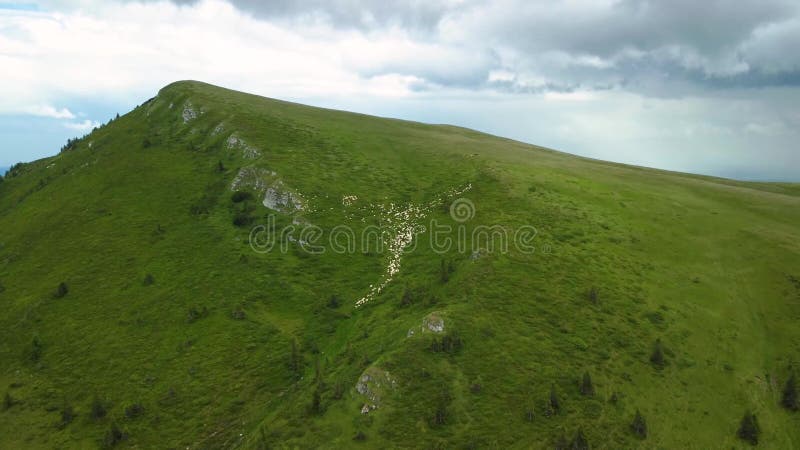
{"x": 254, "y": 178}
{"x": 373, "y": 384}
{"x": 277, "y": 195}
{"x": 282, "y": 200}
{"x": 189, "y": 113}
{"x": 433, "y": 323}
{"x": 234, "y": 142}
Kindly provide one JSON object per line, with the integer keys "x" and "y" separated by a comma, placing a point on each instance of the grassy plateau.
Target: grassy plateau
{"x": 134, "y": 311}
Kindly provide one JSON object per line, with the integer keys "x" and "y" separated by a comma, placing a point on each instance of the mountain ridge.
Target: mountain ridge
{"x": 175, "y": 323}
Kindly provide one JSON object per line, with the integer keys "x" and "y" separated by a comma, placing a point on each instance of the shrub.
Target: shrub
{"x": 579, "y": 442}
{"x": 439, "y": 416}
{"x": 444, "y": 274}
{"x": 408, "y": 297}
{"x": 98, "y": 409}
{"x": 8, "y": 401}
{"x": 134, "y": 410}
{"x": 587, "y": 388}
{"x": 639, "y": 426}
{"x": 333, "y": 302}
{"x": 202, "y": 206}
{"x": 242, "y": 219}
{"x": 749, "y": 429}
{"x": 529, "y": 414}
{"x": 238, "y": 314}
{"x": 220, "y": 167}
{"x": 789, "y": 398}
{"x": 146, "y": 143}
{"x": 561, "y": 443}
{"x": 450, "y": 343}
{"x": 295, "y": 362}
{"x": 554, "y": 403}
{"x": 67, "y": 416}
{"x": 61, "y": 291}
{"x": 315, "y": 408}
{"x": 360, "y": 436}
{"x": 338, "y": 390}
{"x": 241, "y": 196}
{"x": 114, "y": 436}
{"x": 593, "y": 295}
{"x": 148, "y": 280}
{"x": 657, "y": 357}
{"x": 70, "y": 145}
{"x": 35, "y": 350}
{"x": 194, "y": 314}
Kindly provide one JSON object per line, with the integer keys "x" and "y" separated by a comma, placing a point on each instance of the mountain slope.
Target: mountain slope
{"x": 187, "y": 332}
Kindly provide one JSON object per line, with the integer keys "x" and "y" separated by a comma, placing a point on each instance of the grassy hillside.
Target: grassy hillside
{"x": 134, "y": 310}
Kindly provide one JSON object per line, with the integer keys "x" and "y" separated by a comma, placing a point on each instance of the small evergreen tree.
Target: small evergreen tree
{"x": 789, "y": 399}
{"x": 439, "y": 415}
{"x": 315, "y": 408}
{"x": 98, "y": 409}
{"x": 148, "y": 279}
{"x": 587, "y": 388}
{"x": 554, "y": 403}
{"x": 62, "y": 290}
{"x": 8, "y": 401}
{"x": 593, "y": 295}
{"x": 657, "y": 357}
{"x": 334, "y": 302}
{"x": 220, "y": 167}
{"x": 295, "y": 361}
{"x": 444, "y": 274}
{"x": 749, "y": 429}
{"x": 639, "y": 426}
{"x": 579, "y": 442}
{"x": 408, "y": 297}
{"x": 561, "y": 443}
{"x": 67, "y": 416}
{"x": 529, "y": 413}
{"x": 134, "y": 410}
{"x": 36, "y": 349}
{"x": 113, "y": 436}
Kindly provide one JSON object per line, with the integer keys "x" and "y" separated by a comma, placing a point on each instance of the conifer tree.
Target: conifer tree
{"x": 657, "y": 357}
{"x": 587, "y": 388}
{"x": 749, "y": 429}
{"x": 579, "y": 442}
{"x": 789, "y": 399}
{"x": 639, "y": 426}
{"x": 555, "y": 404}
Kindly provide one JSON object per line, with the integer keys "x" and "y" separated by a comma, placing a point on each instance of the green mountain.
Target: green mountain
{"x": 217, "y": 270}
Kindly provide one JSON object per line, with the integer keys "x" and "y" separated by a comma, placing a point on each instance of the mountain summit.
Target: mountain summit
{"x": 216, "y": 270}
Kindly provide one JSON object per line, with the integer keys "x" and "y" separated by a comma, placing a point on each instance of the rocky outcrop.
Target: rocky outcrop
{"x": 374, "y": 384}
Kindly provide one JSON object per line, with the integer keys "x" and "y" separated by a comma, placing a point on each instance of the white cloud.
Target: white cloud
{"x": 48, "y": 111}
{"x": 516, "y": 68}
{"x": 84, "y": 126}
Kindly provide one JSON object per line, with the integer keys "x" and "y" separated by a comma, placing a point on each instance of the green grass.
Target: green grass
{"x": 707, "y": 265}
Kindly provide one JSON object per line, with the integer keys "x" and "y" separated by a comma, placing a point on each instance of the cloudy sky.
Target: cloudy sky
{"x": 709, "y": 86}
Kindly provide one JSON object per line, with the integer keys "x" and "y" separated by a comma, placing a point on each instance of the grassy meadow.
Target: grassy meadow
{"x": 135, "y": 313}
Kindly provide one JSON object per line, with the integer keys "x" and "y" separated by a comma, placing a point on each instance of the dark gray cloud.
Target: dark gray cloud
{"x": 659, "y": 45}
{"x": 361, "y": 14}
{"x": 630, "y": 43}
